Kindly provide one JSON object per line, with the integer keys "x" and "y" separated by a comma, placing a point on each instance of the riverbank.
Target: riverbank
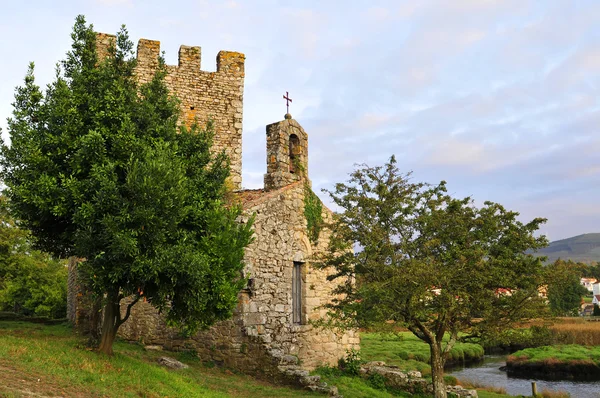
{"x": 488, "y": 373}
{"x": 405, "y": 350}
{"x": 561, "y": 362}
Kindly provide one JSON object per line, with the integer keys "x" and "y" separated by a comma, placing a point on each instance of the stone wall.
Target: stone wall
{"x": 281, "y": 239}
{"x": 262, "y": 332}
{"x": 80, "y": 304}
{"x": 203, "y": 95}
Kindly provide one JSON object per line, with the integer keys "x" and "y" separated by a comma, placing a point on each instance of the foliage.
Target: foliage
{"x": 429, "y": 260}
{"x": 313, "y": 212}
{"x": 592, "y": 271}
{"x": 596, "y": 310}
{"x": 533, "y": 336}
{"x": 564, "y": 288}
{"x": 350, "y": 364}
{"x": 99, "y": 169}
{"x": 31, "y": 282}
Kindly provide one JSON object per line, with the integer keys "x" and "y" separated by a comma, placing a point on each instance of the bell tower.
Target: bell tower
{"x": 287, "y": 153}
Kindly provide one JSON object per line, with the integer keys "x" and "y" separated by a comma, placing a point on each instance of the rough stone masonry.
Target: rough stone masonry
{"x": 270, "y": 334}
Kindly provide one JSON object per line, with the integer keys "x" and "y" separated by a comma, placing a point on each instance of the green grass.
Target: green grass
{"x": 559, "y": 353}
{"x": 54, "y": 362}
{"x": 406, "y": 351}
{"x": 354, "y": 386}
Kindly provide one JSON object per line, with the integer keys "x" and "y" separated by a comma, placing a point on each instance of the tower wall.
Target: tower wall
{"x": 203, "y": 95}
{"x": 286, "y": 163}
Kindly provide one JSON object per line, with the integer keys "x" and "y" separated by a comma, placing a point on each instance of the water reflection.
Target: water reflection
{"x": 488, "y": 373}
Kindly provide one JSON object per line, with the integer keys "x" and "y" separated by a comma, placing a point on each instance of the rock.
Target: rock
{"x": 172, "y": 363}
{"x": 414, "y": 374}
{"x": 459, "y": 391}
{"x": 289, "y": 360}
{"x": 333, "y": 391}
{"x": 153, "y": 348}
{"x": 373, "y": 363}
{"x": 310, "y": 380}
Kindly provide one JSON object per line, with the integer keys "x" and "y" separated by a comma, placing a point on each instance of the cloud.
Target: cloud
{"x": 499, "y": 98}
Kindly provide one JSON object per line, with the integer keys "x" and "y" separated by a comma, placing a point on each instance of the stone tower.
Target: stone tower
{"x": 287, "y": 153}
{"x": 203, "y": 96}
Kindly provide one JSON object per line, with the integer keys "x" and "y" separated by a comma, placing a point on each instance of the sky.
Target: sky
{"x": 499, "y": 98}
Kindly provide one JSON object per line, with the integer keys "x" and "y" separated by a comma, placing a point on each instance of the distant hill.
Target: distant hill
{"x": 584, "y": 248}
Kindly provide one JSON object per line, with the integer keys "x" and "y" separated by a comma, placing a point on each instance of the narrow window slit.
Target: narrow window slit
{"x": 297, "y": 293}
{"x": 294, "y": 152}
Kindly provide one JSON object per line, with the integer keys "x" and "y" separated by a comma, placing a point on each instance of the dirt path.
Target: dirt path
{"x": 17, "y": 383}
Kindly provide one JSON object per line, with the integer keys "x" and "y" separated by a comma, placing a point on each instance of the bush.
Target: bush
{"x": 32, "y": 283}
{"x": 535, "y": 336}
{"x": 350, "y": 364}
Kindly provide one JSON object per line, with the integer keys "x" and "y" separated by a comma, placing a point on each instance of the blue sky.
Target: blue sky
{"x": 498, "y": 98}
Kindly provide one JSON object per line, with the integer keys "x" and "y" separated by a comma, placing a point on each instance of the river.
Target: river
{"x": 488, "y": 373}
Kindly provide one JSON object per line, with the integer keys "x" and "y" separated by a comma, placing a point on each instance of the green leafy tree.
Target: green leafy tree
{"x": 592, "y": 271}
{"x": 31, "y": 282}
{"x": 99, "y": 169}
{"x": 564, "y": 287}
{"x": 429, "y": 261}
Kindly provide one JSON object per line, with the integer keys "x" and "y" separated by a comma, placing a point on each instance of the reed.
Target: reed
{"x": 474, "y": 384}
{"x": 576, "y": 331}
{"x": 554, "y": 394}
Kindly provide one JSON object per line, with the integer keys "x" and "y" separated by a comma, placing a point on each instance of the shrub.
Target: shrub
{"x": 350, "y": 364}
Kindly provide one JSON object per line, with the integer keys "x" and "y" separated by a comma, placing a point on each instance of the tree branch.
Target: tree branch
{"x": 451, "y": 342}
{"x": 128, "y": 312}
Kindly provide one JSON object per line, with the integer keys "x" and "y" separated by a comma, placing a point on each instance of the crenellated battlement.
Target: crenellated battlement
{"x": 203, "y": 95}
{"x": 190, "y": 58}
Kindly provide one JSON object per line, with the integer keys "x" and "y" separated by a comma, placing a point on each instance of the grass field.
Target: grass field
{"x": 41, "y": 360}
{"x": 406, "y": 351}
{"x": 51, "y": 361}
{"x": 559, "y": 353}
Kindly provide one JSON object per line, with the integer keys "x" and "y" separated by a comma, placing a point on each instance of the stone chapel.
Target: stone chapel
{"x": 270, "y": 332}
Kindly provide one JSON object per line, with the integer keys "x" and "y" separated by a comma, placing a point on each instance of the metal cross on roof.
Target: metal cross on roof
{"x": 287, "y": 99}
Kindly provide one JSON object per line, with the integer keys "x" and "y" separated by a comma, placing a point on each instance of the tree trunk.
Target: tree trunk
{"x": 110, "y": 324}
{"x": 437, "y": 370}
{"x": 95, "y": 321}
